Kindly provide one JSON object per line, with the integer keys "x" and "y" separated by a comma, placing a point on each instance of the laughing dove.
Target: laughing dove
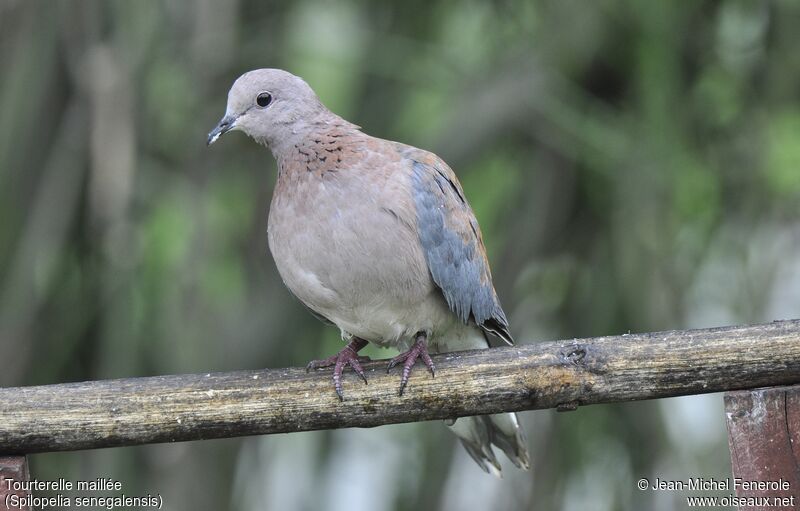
{"x": 377, "y": 238}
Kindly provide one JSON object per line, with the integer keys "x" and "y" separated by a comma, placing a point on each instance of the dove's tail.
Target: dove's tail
{"x": 478, "y": 434}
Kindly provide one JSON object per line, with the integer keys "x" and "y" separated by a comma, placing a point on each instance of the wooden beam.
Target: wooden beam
{"x": 764, "y": 439}
{"x": 561, "y": 374}
{"x": 13, "y": 469}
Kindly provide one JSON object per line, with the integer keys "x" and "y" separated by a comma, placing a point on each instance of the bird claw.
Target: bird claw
{"x": 348, "y": 356}
{"x": 331, "y": 361}
{"x": 418, "y": 350}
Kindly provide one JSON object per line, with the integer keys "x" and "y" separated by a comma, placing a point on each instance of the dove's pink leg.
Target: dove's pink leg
{"x": 348, "y": 356}
{"x": 418, "y": 350}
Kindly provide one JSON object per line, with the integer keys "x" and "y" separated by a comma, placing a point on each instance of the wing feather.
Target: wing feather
{"x": 453, "y": 246}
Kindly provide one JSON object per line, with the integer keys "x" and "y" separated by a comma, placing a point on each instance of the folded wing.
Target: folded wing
{"x": 453, "y": 245}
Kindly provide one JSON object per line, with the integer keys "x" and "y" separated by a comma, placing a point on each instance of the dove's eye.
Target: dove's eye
{"x": 264, "y": 99}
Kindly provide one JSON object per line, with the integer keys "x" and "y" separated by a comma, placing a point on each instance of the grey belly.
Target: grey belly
{"x": 361, "y": 268}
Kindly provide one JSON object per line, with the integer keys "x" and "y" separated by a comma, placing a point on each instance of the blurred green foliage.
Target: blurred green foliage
{"x": 633, "y": 165}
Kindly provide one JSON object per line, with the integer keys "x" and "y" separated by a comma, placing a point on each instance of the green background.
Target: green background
{"x": 634, "y": 166}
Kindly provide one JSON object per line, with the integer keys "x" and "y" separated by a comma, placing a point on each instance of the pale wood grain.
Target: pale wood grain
{"x": 561, "y": 374}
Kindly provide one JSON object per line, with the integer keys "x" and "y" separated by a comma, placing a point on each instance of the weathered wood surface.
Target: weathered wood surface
{"x": 16, "y": 468}
{"x": 764, "y": 440}
{"x": 546, "y": 375}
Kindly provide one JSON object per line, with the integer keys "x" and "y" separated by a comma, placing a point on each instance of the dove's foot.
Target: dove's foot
{"x": 418, "y": 350}
{"x": 348, "y": 356}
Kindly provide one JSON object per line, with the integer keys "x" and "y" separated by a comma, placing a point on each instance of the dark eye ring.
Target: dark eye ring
{"x": 264, "y": 99}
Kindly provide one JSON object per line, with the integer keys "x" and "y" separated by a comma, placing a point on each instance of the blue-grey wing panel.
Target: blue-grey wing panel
{"x": 453, "y": 248}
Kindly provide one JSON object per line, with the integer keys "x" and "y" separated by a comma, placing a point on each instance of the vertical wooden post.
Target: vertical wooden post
{"x": 16, "y": 468}
{"x": 764, "y": 439}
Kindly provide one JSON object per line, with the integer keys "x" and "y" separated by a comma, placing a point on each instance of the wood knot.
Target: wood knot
{"x": 574, "y": 355}
{"x": 585, "y": 356}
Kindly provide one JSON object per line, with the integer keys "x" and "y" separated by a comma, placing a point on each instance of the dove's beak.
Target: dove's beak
{"x": 225, "y": 125}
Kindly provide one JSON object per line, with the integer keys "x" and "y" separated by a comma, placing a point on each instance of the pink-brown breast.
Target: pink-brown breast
{"x": 342, "y": 231}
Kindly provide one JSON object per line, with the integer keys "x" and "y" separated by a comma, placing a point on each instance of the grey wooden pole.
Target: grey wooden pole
{"x": 563, "y": 374}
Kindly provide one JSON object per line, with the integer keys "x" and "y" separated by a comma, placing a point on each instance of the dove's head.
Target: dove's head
{"x": 269, "y": 105}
